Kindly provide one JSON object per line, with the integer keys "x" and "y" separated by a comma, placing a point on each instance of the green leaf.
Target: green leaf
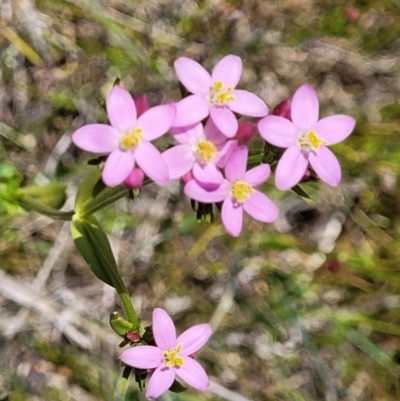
{"x": 93, "y": 245}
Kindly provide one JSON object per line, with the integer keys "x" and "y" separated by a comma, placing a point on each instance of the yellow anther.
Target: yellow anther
{"x": 241, "y": 191}
{"x": 310, "y": 140}
{"x": 206, "y": 151}
{"x": 219, "y": 97}
{"x": 171, "y": 357}
{"x": 218, "y": 85}
{"x": 132, "y": 138}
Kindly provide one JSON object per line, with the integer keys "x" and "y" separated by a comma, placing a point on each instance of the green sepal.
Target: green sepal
{"x": 119, "y": 325}
{"x": 125, "y": 376}
{"x": 177, "y": 387}
{"x": 93, "y": 244}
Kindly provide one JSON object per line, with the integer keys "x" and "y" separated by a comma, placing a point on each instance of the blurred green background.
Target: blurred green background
{"x": 306, "y": 309}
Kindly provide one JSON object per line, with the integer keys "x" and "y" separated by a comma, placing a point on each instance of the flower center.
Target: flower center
{"x": 206, "y": 151}
{"x": 132, "y": 138}
{"x": 171, "y": 357}
{"x": 241, "y": 191}
{"x": 311, "y": 141}
{"x": 219, "y": 97}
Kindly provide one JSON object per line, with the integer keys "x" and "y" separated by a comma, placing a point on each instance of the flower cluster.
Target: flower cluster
{"x": 212, "y": 157}
{"x": 170, "y": 356}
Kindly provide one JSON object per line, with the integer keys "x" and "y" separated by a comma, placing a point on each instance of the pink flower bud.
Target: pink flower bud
{"x": 245, "y": 132}
{"x": 134, "y": 179}
{"x": 351, "y": 13}
{"x": 283, "y": 109}
{"x": 142, "y": 104}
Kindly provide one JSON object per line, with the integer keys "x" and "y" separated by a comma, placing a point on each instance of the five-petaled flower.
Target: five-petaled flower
{"x": 201, "y": 149}
{"x": 171, "y": 356}
{"x": 127, "y": 138}
{"x": 306, "y": 139}
{"x": 215, "y": 95}
{"x": 238, "y": 192}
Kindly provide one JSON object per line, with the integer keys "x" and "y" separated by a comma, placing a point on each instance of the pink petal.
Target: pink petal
{"x": 191, "y": 110}
{"x": 335, "y": 129}
{"x": 225, "y": 154}
{"x": 121, "y": 109}
{"x": 232, "y": 217}
{"x": 257, "y": 175}
{"x": 143, "y": 357}
{"x": 160, "y": 381}
{"x": 151, "y": 162}
{"x": 156, "y": 121}
{"x": 290, "y": 168}
{"x": 305, "y": 107}
{"x": 248, "y": 104}
{"x": 179, "y": 160}
{"x": 96, "y": 138}
{"x": 194, "y": 191}
{"x": 117, "y": 167}
{"x": 188, "y": 135}
{"x": 228, "y": 70}
{"x": 261, "y": 208}
{"x": 194, "y": 338}
{"x": 208, "y": 176}
{"x": 326, "y": 165}
{"x": 225, "y": 120}
{"x": 278, "y": 131}
{"x": 193, "y": 76}
{"x": 193, "y": 374}
{"x": 213, "y": 134}
{"x": 163, "y": 329}
{"x": 236, "y": 164}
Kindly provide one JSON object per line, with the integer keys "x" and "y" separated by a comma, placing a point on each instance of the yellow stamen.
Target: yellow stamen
{"x": 310, "y": 140}
{"x": 220, "y": 97}
{"x": 132, "y": 138}
{"x": 171, "y": 357}
{"x": 241, "y": 191}
{"x": 206, "y": 151}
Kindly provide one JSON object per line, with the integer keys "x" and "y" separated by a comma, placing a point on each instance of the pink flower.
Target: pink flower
{"x": 172, "y": 356}
{"x": 237, "y": 193}
{"x": 200, "y": 149}
{"x": 127, "y": 138}
{"x": 215, "y": 95}
{"x": 306, "y": 139}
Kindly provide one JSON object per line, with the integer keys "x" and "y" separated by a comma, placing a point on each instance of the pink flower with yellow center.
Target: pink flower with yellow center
{"x": 215, "y": 95}
{"x": 306, "y": 139}
{"x": 171, "y": 356}
{"x": 201, "y": 150}
{"x": 127, "y": 140}
{"x": 238, "y": 193}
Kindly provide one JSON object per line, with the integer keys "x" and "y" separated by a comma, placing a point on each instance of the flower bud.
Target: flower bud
{"x": 283, "y": 109}
{"x": 134, "y": 179}
{"x": 142, "y": 104}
